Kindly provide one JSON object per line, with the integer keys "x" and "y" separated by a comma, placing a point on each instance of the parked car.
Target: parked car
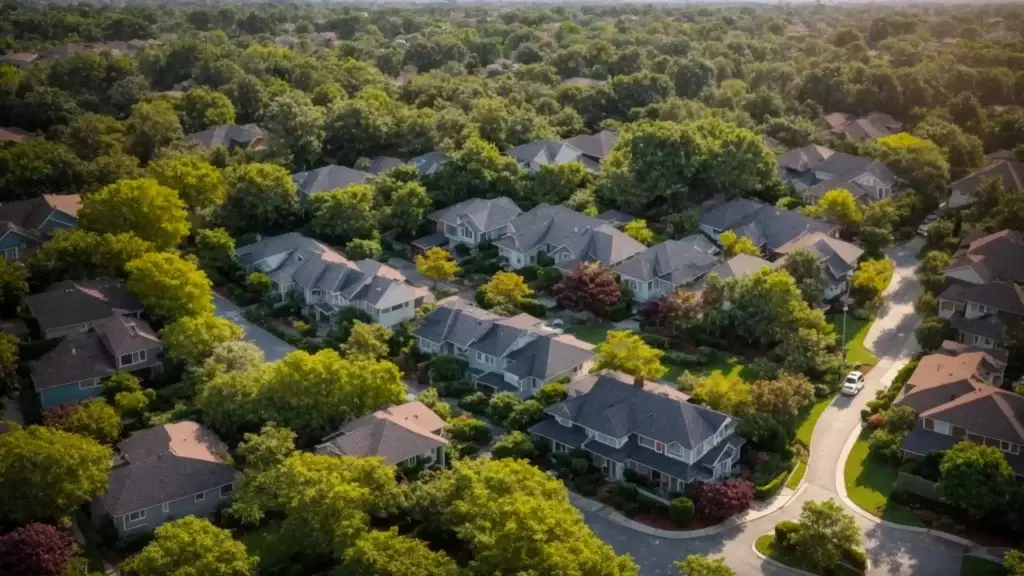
{"x": 923, "y": 228}
{"x": 854, "y": 383}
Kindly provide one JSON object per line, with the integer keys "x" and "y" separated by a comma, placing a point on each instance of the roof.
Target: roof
{"x": 429, "y": 163}
{"x": 166, "y": 463}
{"x": 995, "y": 257}
{"x": 330, "y": 177}
{"x": 921, "y": 441}
{"x": 383, "y": 164}
{"x": 589, "y": 239}
{"x": 582, "y": 81}
{"x": 805, "y": 158}
{"x": 123, "y": 335}
{"x": 1009, "y": 172}
{"x": 550, "y": 152}
{"x": 1003, "y": 296}
{"x": 837, "y": 120}
{"x": 30, "y": 214}
{"x": 619, "y": 409}
{"x": 483, "y": 215}
{"x": 848, "y": 166}
{"x": 675, "y": 261}
{"x": 230, "y": 135}
{"x": 548, "y": 356}
{"x": 396, "y": 434}
{"x": 596, "y": 146}
{"x": 17, "y": 58}
{"x": 765, "y": 225}
{"x": 874, "y": 125}
{"x": 738, "y": 266}
{"x": 615, "y": 218}
{"x": 13, "y": 134}
{"x": 76, "y": 358}
{"x": 586, "y": 383}
{"x": 68, "y": 303}
{"x": 840, "y": 257}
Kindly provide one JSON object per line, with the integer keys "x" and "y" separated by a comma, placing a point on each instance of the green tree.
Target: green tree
{"x": 626, "y": 351}
{"x": 94, "y": 135}
{"x": 387, "y": 553}
{"x": 9, "y": 356}
{"x": 965, "y": 467}
{"x": 555, "y": 183}
{"x": 919, "y": 163}
{"x": 870, "y": 280}
{"x": 215, "y": 249}
{"x": 202, "y": 108}
{"x": 169, "y": 286}
{"x": 76, "y": 254}
{"x": 964, "y": 151}
{"x": 192, "y": 545}
{"x": 841, "y": 207}
{"x": 932, "y": 270}
{"x": 638, "y": 230}
{"x": 784, "y": 396}
{"x": 296, "y": 127}
{"x": 37, "y": 167}
{"x": 152, "y": 126}
{"x": 825, "y": 531}
{"x": 1014, "y": 562}
{"x": 198, "y": 183}
{"x": 96, "y": 419}
{"x": 409, "y": 203}
{"x": 933, "y": 332}
{"x": 724, "y": 393}
{"x": 271, "y": 447}
{"x": 47, "y": 474}
{"x": 477, "y": 170}
{"x": 363, "y": 249}
{"x": 191, "y": 339}
{"x": 260, "y": 198}
{"x": 507, "y": 289}
{"x": 436, "y": 265}
{"x": 734, "y": 244}
{"x": 13, "y": 286}
{"x": 344, "y": 214}
{"x": 143, "y": 207}
{"x": 368, "y": 341}
{"x": 697, "y": 565}
{"x": 515, "y": 444}
{"x": 808, "y": 270}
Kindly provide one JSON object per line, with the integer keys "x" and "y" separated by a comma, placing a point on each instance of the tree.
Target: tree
{"x": 142, "y": 207}
{"x": 550, "y": 393}
{"x": 192, "y": 545}
{"x": 271, "y": 447}
{"x": 436, "y": 265}
{"x": 782, "y": 397}
{"x": 506, "y": 289}
{"x": 94, "y": 419}
{"x": 1014, "y": 562}
{"x": 626, "y": 351}
{"x": 824, "y": 533}
{"x": 46, "y": 474}
{"x": 76, "y": 254}
{"x": 965, "y": 467}
{"x": 515, "y": 444}
{"x": 215, "y": 249}
{"x": 933, "y": 332}
{"x": 363, "y": 249}
{"x": 720, "y": 500}
{"x": 697, "y": 565}
{"x": 199, "y": 184}
{"x": 964, "y": 151}
{"x": 260, "y": 198}
{"x": 870, "y": 280}
{"x": 932, "y": 270}
{"x": 733, "y": 244}
{"x": 409, "y": 203}
{"x": 9, "y": 355}
{"x": 841, "y": 207}
{"x": 344, "y": 214}
{"x": 386, "y": 553}
{"x": 13, "y": 286}
{"x": 169, "y": 286}
{"x": 38, "y": 549}
{"x": 191, "y": 339}
{"x": 919, "y": 163}
{"x": 477, "y": 170}
{"x": 525, "y": 414}
{"x": 638, "y": 230}
{"x": 588, "y": 287}
{"x": 367, "y": 340}
{"x": 36, "y": 167}
{"x": 296, "y": 127}
{"x": 556, "y": 183}
{"x": 152, "y": 126}
{"x": 724, "y": 393}
{"x": 808, "y": 270}
{"x": 93, "y": 135}
{"x": 202, "y": 108}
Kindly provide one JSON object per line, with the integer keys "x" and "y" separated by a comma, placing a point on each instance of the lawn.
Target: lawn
{"x": 797, "y": 475}
{"x": 856, "y": 331}
{"x": 590, "y": 333}
{"x": 869, "y": 481}
{"x": 766, "y": 545}
{"x": 265, "y": 542}
{"x": 727, "y": 364}
{"x": 976, "y": 566}
{"x": 808, "y": 417}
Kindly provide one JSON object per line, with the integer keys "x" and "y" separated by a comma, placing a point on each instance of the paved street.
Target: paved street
{"x": 273, "y": 347}
{"x": 890, "y": 550}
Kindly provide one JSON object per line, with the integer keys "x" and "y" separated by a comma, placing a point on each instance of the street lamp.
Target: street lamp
{"x": 846, "y": 307}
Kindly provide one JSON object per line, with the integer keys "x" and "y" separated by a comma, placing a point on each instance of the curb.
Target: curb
{"x": 778, "y": 564}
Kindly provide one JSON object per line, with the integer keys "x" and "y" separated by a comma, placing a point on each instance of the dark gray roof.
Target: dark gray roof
{"x": 429, "y": 163}
{"x": 230, "y": 135}
{"x": 804, "y": 158}
{"x": 331, "y": 177}
{"x": 596, "y": 146}
{"x": 843, "y": 165}
{"x": 920, "y": 441}
{"x": 484, "y": 215}
{"x": 615, "y": 218}
{"x": 456, "y": 321}
{"x": 77, "y": 358}
{"x": 1009, "y": 172}
{"x": 1003, "y": 296}
{"x": 548, "y": 356}
{"x": 986, "y": 327}
{"x": 123, "y": 335}
{"x": 164, "y": 464}
{"x": 68, "y": 303}
{"x": 573, "y": 437}
{"x": 767, "y": 226}
{"x": 550, "y": 152}
{"x": 840, "y": 258}
{"x": 731, "y": 213}
{"x": 998, "y": 256}
{"x": 382, "y": 164}
{"x": 675, "y": 261}
{"x": 618, "y": 409}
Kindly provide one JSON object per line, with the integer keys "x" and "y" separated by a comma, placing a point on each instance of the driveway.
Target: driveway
{"x": 413, "y": 276}
{"x": 273, "y": 347}
{"x": 889, "y": 550}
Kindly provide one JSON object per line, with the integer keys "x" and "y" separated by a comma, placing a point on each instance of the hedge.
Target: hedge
{"x": 784, "y": 531}
{"x": 771, "y": 488}
{"x": 885, "y": 399}
{"x": 681, "y": 511}
{"x": 856, "y": 558}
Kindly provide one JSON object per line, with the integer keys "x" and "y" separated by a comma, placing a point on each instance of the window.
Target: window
{"x": 646, "y": 442}
{"x": 451, "y": 230}
{"x": 199, "y": 497}
{"x": 929, "y": 424}
{"x": 136, "y": 516}
{"x": 133, "y": 358}
{"x": 226, "y": 490}
{"x": 674, "y": 450}
{"x": 396, "y": 307}
{"x": 11, "y": 254}
{"x": 564, "y": 421}
{"x": 165, "y": 507}
{"x": 479, "y": 356}
{"x": 947, "y": 305}
{"x": 126, "y": 359}
{"x": 959, "y": 432}
{"x": 87, "y": 384}
{"x": 942, "y": 428}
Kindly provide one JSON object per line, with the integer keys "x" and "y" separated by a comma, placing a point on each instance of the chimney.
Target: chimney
{"x": 638, "y": 381}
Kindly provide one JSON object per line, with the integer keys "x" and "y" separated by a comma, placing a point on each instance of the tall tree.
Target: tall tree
{"x": 143, "y": 207}
{"x": 215, "y": 249}
{"x": 152, "y": 126}
{"x": 191, "y": 339}
{"x": 784, "y": 396}
{"x": 733, "y": 244}
{"x": 202, "y": 108}
{"x": 169, "y": 286}
{"x": 260, "y": 198}
{"x": 344, "y": 214}
{"x": 263, "y": 451}
{"x": 477, "y": 170}
{"x": 192, "y": 545}
{"x": 841, "y": 207}
{"x": 588, "y": 287}
{"x": 198, "y": 183}
{"x": 77, "y": 254}
{"x": 296, "y": 127}
{"x": 367, "y": 340}
{"x": 724, "y": 393}
{"x": 807, "y": 268}
{"x": 94, "y": 419}
{"x": 626, "y": 351}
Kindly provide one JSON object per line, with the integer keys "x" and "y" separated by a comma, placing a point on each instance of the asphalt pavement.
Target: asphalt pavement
{"x": 273, "y": 347}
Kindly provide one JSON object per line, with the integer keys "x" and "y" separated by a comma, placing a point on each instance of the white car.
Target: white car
{"x": 854, "y": 383}
{"x": 923, "y": 228}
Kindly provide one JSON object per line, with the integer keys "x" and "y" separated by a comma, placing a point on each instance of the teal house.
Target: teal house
{"x": 25, "y": 224}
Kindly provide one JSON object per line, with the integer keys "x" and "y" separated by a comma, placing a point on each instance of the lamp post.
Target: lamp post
{"x": 846, "y": 307}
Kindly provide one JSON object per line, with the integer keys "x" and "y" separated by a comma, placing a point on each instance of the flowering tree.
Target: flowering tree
{"x": 721, "y": 500}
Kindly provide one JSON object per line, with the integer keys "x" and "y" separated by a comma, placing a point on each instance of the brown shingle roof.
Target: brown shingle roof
{"x": 998, "y": 256}
{"x": 31, "y": 214}
{"x": 75, "y": 359}
{"x": 68, "y": 303}
{"x": 126, "y": 335}
{"x": 395, "y": 433}
{"x": 12, "y": 134}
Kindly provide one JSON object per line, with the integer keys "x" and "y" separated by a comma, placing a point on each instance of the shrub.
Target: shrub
{"x": 885, "y": 444}
{"x": 619, "y": 312}
{"x": 579, "y": 466}
{"x": 721, "y": 500}
{"x": 481, "y": 298}
{"x": 548, "y": 277}
{"x": 524, "y": 415}
{"x": 784, "y": 531}
{"x": 455, "y": 388}
{"x": 446, "y": 369}
{"x": 532, "y": 307}
{"x": 550, "y": 394}
{"x": 530, "y": 272}
{"x": 469, "y": 430}
{"x": 501, "y": 406}
{"x": 629, "y": 475}
{"x": 681, "y": 511}
{"x": 770, "y": 489}
{"x": 475, "y": 402}
{"x": 461, "y": 250}
{"x": 762, "y": 369}
{"x": 856, "y": 558}
{"x": 515, "y": 444}
{"x": 627, "y": 491}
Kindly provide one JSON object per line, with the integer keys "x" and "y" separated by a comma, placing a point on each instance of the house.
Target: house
{"x": 14, "y": 134}
{"x": 429, "y": 163}
{"x": 615, "y": 218}
{"x": 471, "y": 222}
{"x": 380, "y": 164}
{"x": 767, "y": 226}
{"x": 518, "y": 354}
{"x": 25, "y": 224}
{"x": 624, "y": 425}
{"x": 989, "y": 258}
{"x": 18, "y": 59}
{"x": 330, "y": 177}
{"x": 231, "y": 136}
{"x": 533, "y": 155}
{"x": 406, "y": 435}
{"x": 982, "y": 314}
{"x": 69, "y": 308}
{"x": 662, "y": 268}
{"x": 328, "y": 282}
{"x": 839, "y": 258}
{"x": 738, "y": 266}
{"x": 76, "y": 368}
{"x": 595, "y": 147}
{"x": 1009, "y": 172}
{"x": 165, "y": 473}
{"x": 956, "y": 396}
{"x": 568, "y": 237}
{"x": 874, "y": 125}
{"x": 814, "y": 170}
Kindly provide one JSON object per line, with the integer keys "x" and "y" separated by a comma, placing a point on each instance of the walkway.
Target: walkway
{"x": 890, "y": 550}
{"x": 273, "y": 347}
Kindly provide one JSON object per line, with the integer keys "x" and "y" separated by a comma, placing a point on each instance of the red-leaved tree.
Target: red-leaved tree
{"x": 720, "y": 500}
{"x": 588, "y": 288}
{"x": 37, "y": 549}
{"x": 675, "y": 311}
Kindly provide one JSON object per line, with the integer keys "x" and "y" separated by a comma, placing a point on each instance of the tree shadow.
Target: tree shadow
{"x": 890, "y": 341}
{"x": 897, "y": 551}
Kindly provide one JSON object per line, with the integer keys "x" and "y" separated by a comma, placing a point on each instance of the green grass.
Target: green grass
{"x": 869, "y": 482}
{"x": 797, "y": 475}
{"x": 976, "y": 566}
{"x": 808, "y": 417}
{"x": 590, "y": 333}
{"x": 265, "y": 542}
{"x": 856, "y": 331}
{"x": 766, "y": 545}
{"x": 727, "y": 364}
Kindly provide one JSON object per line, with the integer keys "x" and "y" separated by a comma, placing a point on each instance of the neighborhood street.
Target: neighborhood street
{"x": 273, "y": 347}
{"x": 889, "y": 550}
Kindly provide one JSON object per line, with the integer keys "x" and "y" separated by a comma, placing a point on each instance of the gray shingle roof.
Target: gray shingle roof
{"x": 804, "y": 158}
{"x": 993, "y": 257}
{"x": 596, "y": 146}
{"x": 615, "y": 218}
{"x": 230, "y": 135}
{"x": 395, "y": 434}
{"x": 590, "y": 239}
{"x": 331, "y": 177}
{"x": 383, "y": 164}
{"x": 548, "y": 356}
{"x": 840, "y": 257}
{"x": 484, "y": 215}
{"x": 127, "y": 335}
{"x": 550, "y": 152}
{"x": 675, "y": 261}
{"x": 429, "y": 163}
{"x": 738, "y": 266}
{"x": 77, "y": 358}
{"x": 844, "y": 166}
{"x": 765, "y": 225}
{"x": 1003, "y": 296}
{"x": 68, "y": 303}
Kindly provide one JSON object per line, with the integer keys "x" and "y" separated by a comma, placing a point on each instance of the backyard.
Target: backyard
{"x": 856, "y": 330}
{"x": 869, "y": 482}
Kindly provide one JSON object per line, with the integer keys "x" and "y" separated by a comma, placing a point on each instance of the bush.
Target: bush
{"x": 856, "y": 558}
{"x": 620, "y": 312}
{"x": 772, "y": 488}
{"x": 681, "y": 511}
{"x": 501, "y": 406}
{"x": 446, "y": 369}
{"x": 524, "y": 415}
{"x": 461, "y": 250}
{"x": 550, "y": 394}
{"x": 579, "y": 466}
{"x": 469, "y": 430}
{"x": 784, "y": 531}
{"x": 548, "y": 277}
{"x": 475, "y": 402}
{"x": 530, "y": 272}
{"x": 455, "y": 388}
{"x": 679, "y": 358}
{"x": 762, "y": 369}
{"x": 885, "y": 444}
{"x": 481, "y": 298}
{"x": 532, "y": 307}
{"x": 515, "y": 444}
{"x": 721, "y": 500}
{"x": 885, "y": 398}
{"x": 627, "y": 491}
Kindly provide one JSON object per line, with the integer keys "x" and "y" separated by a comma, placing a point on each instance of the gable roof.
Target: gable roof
{"x": 549, "y": 152}
{"x": 484, "y": 215}
{"x": 68, "y": 303}
{"x": 429, "y": 163}
{"x": 618, "y": 409}
{"x": 848, "y": 166}
{"x": 596, "y": 146}
{"x": 396, "y": 434}
{"x": 166, "y": 463}
{"x": 994, "y": 257}
{"x": 330, "y": 177}
{"x": 548, "y": 356}
{"x": 764, "y": 224}
{"x": 738, "y": 266}
{"x": 382, "y": 164}
{"x": 675, "y": 261}
{"x": 32, "y": 213}
{"x": 840, "y": 257}
{"x": 1009, "y": 172}
{"x": 804, "y": 158}
{"x": 615, "y": 218}
{"x": 127, "y": 335}
{"x": 229, "y": 135}
{"x": 1003, "y": 296}
{"x": 75, "y": 359}
{"x": 14, "y": 134}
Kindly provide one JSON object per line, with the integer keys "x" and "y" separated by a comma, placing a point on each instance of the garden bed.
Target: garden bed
{"x": 766, "y": 545}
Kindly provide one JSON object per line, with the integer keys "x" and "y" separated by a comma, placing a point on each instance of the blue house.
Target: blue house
{"x": 25, "y": 224}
